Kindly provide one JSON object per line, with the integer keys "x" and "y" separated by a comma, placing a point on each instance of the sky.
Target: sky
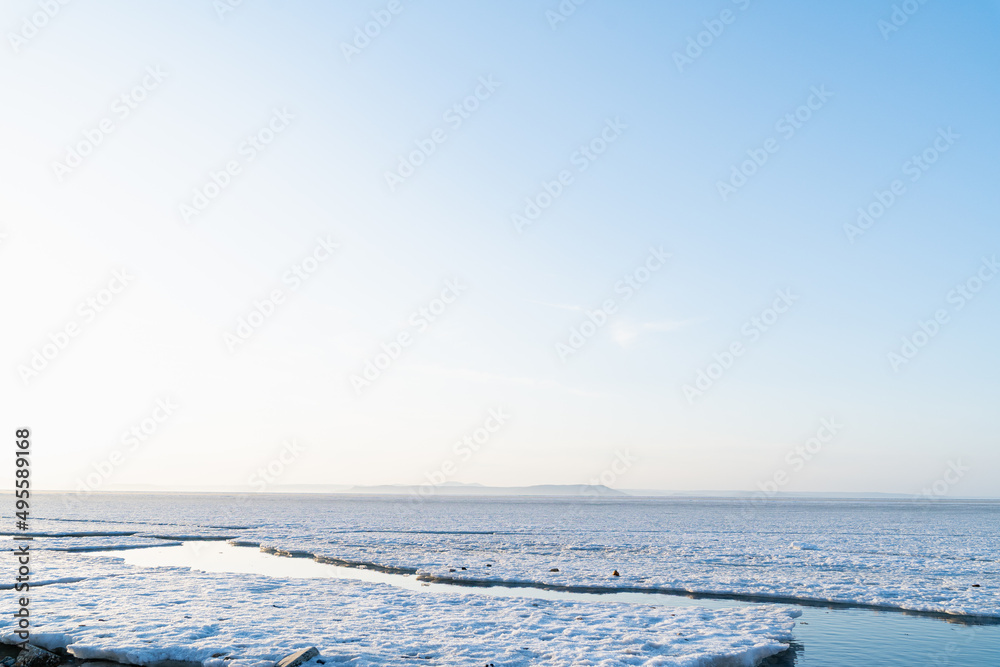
{"x": 719, "y": 245}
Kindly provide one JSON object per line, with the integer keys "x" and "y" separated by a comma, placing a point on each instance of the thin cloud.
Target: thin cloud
{"x": 560, "y": 306}
{"x": 625, "y": 334}
{"x": 484, "y": 376}
{"x": 667, "y": 326}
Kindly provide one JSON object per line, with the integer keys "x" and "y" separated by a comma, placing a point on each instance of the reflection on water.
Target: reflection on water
{"x": 823, "y": 637}
{"x": 224, "y": 557}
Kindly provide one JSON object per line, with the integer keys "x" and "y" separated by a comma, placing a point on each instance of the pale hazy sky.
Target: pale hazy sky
{"x": 627, "y": 125}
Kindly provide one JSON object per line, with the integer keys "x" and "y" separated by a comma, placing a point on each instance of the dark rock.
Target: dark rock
{"x": 32, "y": 656}
{"x": 298, "y": 658}
{"x": 615, "y": 574}
{"x": 463, "y": 568}
{"x": 488, "y": 565}
{"x": 555, "y": 569}
{"x": 975, "y": 585}
{"x": 451, "y": 569}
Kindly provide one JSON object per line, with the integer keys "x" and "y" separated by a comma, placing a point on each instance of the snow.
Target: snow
{"x": 902, "y": 555}
{"x": 804, "y": 546}
{"x": 140, "y": 615}
{"x": 921, "y": 556}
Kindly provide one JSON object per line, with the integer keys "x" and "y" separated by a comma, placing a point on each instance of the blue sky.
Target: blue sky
{"x": 888, "y": 95}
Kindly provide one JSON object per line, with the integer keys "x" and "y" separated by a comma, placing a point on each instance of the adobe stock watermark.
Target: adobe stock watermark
{"x": 629, "y": 285}
{"x": 262, "y": 478}
{"x": 131, "y": 440}
{"x": 364, "y": 34}
{"x": 418, "y": 322}
{"x": 914, "y": 168}
{"x": 581, "y": 158}
{"x": 797, "y": 457}
{"x": 454, "y": 116}
{"x": 714, "y": 27}
{"x": 121, "y": 109}
{"x": 294, "y": 277}
{"x": 786, "y": 126}
{"x": 247, "y": 152}
{"x": 943, "y": 655}
{"x": 87, "y": 311}
{"x": 33, "y": 24}
{"x": 268, "y": 474}
{"x": 958, "y": 297}
{"x": 943, "y": 485}
{"x": 752, "y": 330}
{"x": 899, "y": 17}
{"x": 562, "y": 12}
{"x": 464, "y": 448}
{"x": 223, "y": 7}
{"x": 619, "y": 466}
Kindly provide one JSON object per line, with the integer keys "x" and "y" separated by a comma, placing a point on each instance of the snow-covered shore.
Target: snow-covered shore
{"x": 921, "y": 557}
{"x": 899, "y": 555}
{"x": 140, "y": 615}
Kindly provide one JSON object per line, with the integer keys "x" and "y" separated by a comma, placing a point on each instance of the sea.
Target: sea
{"x": 877, "y": 582}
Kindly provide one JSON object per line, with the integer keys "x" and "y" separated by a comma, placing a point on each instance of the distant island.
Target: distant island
{"x": 456, "y": 489}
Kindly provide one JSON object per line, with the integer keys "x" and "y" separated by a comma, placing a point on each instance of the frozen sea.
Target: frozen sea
{"x": 379, "y": 580}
